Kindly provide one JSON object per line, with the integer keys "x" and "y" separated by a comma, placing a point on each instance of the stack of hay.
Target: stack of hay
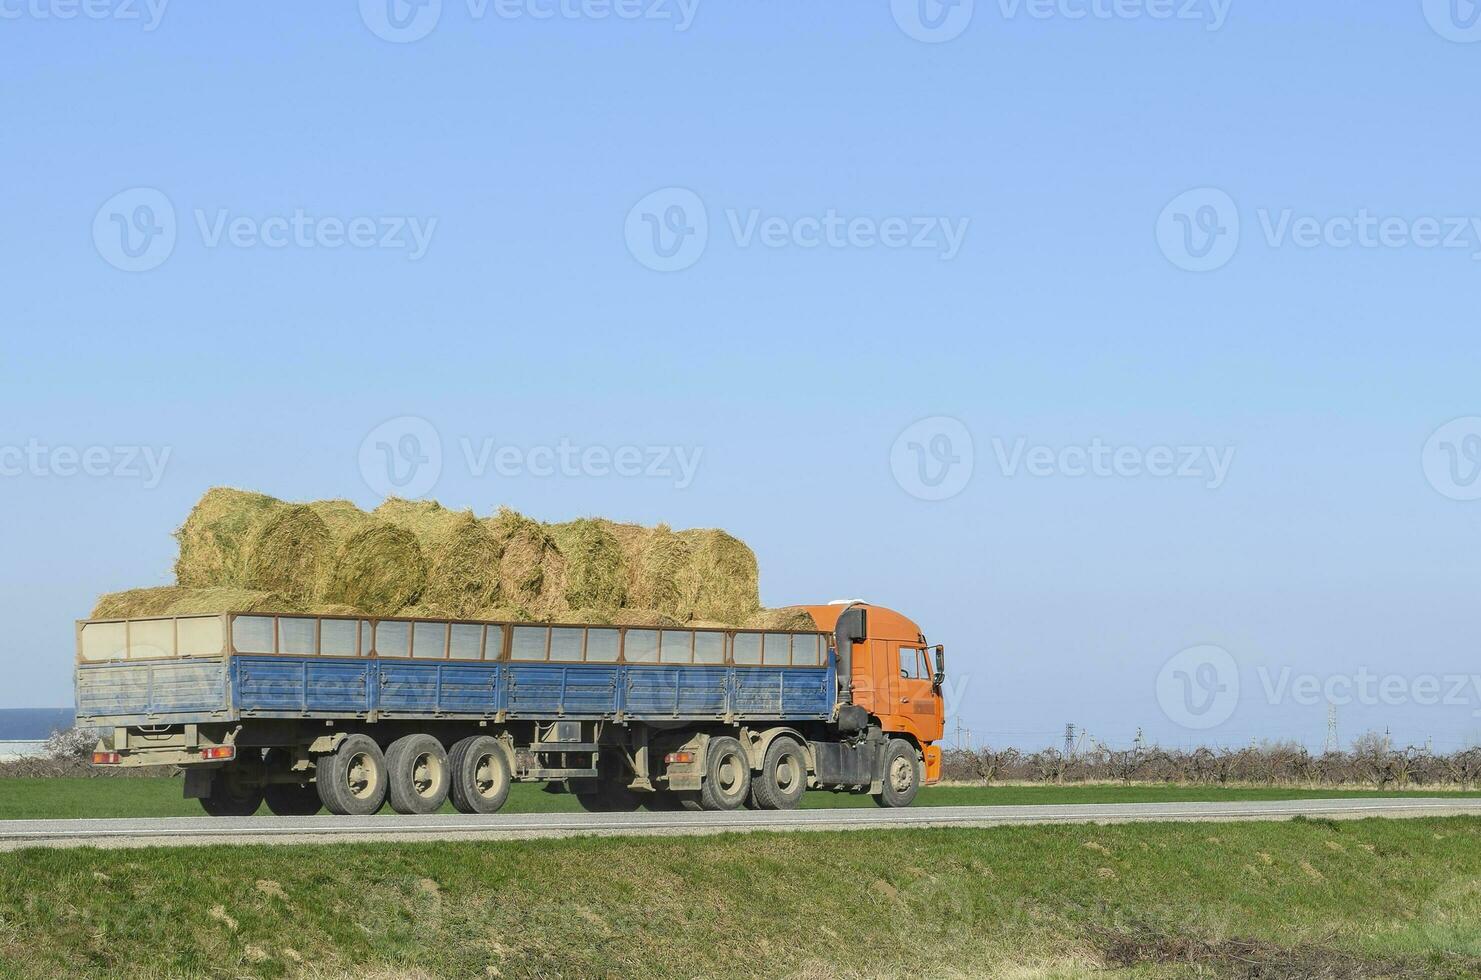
{"x": 249, "y": 552}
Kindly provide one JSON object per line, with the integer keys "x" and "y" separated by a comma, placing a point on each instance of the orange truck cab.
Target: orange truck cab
{"x": 887, "y": 669}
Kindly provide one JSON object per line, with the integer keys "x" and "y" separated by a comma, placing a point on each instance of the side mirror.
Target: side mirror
{"x": 939, "y": 677}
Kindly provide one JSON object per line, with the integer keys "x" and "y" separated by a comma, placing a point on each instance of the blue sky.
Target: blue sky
{"x": 867, "y": 224}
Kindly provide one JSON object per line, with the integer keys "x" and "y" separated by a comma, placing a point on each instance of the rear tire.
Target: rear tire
{"x": 727, "y": 780}
{"x": 480, "y": 776}
{"x": 352, "y": 781}
{"x": 901, "y": 776}
{"x": 419, "y": 774}
{"x": 783, "y": 776}
{"x": 232, "y": 794}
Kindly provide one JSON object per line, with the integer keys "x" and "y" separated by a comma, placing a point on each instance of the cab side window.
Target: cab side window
{"x": 913, "y": 664}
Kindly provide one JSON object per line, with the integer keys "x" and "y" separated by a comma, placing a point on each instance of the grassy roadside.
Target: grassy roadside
{"x": 37, "y": 799}
{"x": 1297, "y": 899}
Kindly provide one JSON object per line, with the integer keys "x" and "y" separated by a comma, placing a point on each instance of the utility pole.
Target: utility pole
{"x": 1069, "y": 740}
{"x": 1137, "y": 745}
{"x": 1332, "y": 744}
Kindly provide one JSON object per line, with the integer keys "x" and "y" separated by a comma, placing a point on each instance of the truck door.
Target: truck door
{"x": 915, "y": 694}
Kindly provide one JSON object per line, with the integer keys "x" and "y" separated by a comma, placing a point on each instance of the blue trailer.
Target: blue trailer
{"x": 346, "y": 713}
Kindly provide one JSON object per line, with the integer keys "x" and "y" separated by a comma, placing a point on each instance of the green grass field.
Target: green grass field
{"x": 23, "y": 799}
{"x": 1301, "y": 899}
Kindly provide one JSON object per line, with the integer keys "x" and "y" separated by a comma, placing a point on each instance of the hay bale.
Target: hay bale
{"x": 175, "y": 600}
{"x": 658, "y": 560}
{"x": 379, "y": 568}
{"x": 462, "y": 554}
{"x": 643, "y": 617}
{"x": 335, "y": 609}
{"x": 532, "y": 571}
{"x": 505, "y": 614}
{"x": 214, "y": 535}
{"x": 287, "y": 552}
{"x": 596, "y": 573}
{"x": 589, "y": 617}
{"x": 342, "y": 517}
{"x": 785, "y": 618}
{"x": 720, "y": 579}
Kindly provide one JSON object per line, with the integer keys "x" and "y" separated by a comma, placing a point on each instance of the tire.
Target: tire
{"x": 727, "y": 780}
{"x": 288, "y": 799}
{"x": 293, "y": 799}
{"x": 232, "y": 794}
{"x": 783, "y": 776}
{"x": 480, "y": 776}
{"x": 419, "y": 774}
{"x": 901, "y": 776}
{"x": 352, "y": 781}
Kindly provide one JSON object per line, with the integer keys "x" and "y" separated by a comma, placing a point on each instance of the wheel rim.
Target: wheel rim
{"x": 729, "y": 774}
{"x": 426, "y": 775}
{"x": 788, "y": 773}
{"x": 902, "y": 774}
{"x": 486, "y": 777}
{"x": 362, "y": 776}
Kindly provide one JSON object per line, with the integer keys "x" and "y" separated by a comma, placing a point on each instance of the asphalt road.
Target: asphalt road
{"x": 183, "y": 831}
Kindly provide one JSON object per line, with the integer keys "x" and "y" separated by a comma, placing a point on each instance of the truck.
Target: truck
{"x": 345, "y": 713}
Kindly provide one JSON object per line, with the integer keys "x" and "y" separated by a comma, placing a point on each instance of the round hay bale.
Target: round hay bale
{"x": 658, "y": 566}
{"x": 342, "y": 517}
{"x": 719, "y": 581}
{"x": 379, "y": 568}
{"x": 214, "y": 535}
{"x": 175, "y": 600}
{"x": 785, "y": 618}
{"x": 462, "y": 555}
{"x": 532, "y": 571}
{"x": 505, "y": 614}
{"x": 287, "y": 552}
{"x": 589, "y": 617}
{"x": 336, "y": 609}
{"x": 596, "y": 575}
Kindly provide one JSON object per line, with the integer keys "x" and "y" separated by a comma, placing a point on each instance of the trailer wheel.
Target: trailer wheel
{"x": 480, "y": 775}
{"x": 783, "y": 776}
{"x": 727, "y": 780}
{"x": 352, "y": 781}
{"x": 288, "y": 799}
{"x": 901, "y": 776}
{"x": 232, "y": 794}
{"x": 418, "y": 772}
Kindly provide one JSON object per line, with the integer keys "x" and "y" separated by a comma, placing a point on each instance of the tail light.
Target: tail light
{"x": 106, "y": 758}
{"x": 219, "y": 753}
{"x": 679, "y": 758}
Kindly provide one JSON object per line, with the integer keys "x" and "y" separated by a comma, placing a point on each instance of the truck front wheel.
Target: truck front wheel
{"x": 901, "y": 777}
{"x": 352, "y": 781}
